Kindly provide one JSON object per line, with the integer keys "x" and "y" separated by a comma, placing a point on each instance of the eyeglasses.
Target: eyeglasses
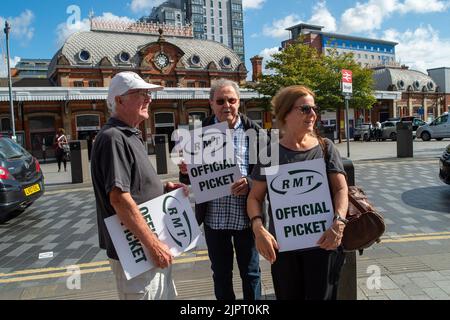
{"x": 145, "y": 94}
{"x": 306, "y": 109}
{"x": 221, "y": 102}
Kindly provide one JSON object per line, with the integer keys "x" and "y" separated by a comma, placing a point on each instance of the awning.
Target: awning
{"x": 77, "y": 94}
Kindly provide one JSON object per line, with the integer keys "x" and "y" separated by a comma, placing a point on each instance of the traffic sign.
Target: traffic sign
{"x": 347, "y": 81}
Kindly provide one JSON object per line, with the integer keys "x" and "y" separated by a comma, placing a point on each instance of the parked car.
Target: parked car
{"x": 389, "y": 130}
{"x": 21, "y": 178}
{"x": 364, "y": 131}
{"x": 416, "y": 123}
{"x": 444, "y": 166}
{"x": 438, "y": 129}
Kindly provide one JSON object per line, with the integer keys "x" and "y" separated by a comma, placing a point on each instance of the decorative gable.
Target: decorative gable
{"x": 62, "y": 60}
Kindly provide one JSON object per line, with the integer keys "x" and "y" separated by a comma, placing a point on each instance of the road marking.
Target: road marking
{"x": 90, "y": 264}
{"x": 414, "y": 239}
{"x": 48, "y": 271}
{"x": 201, "y": 255}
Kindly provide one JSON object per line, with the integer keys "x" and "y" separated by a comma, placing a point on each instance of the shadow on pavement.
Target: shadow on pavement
{"x": 431, "y": 198}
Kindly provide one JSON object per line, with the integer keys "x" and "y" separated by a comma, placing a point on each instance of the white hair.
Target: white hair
{"x": 111, "y": 106}
{"x": 221, "y": 83}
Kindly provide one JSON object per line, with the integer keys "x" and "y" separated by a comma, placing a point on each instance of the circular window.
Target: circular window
{"x": 124, "y": 56}
{"x": 226, "y": 62}
{"x": 401, "y": 84}
{"x": 84, "y": 55}
{"x": 430, "y": 85}
{"x": 195, "y": 59}
{"x": 416, "y": 84}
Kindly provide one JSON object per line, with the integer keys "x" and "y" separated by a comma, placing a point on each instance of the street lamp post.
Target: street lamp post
{"x": 11, "y": 105}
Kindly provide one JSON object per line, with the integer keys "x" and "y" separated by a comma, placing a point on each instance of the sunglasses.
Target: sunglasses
{"x": 306, "y": 109}
{"x": 221, "y": 102}
{"x": 145, "y": 94}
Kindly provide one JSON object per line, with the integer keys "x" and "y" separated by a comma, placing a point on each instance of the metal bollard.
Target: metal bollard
{"x": 347, "y": 289}
{"x": 79, "y": 161}
{"x": 404, "y": 139}
{"x": 162, "y": 153}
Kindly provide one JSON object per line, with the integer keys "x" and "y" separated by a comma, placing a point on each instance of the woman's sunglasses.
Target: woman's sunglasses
{"x": 306, "y": 109}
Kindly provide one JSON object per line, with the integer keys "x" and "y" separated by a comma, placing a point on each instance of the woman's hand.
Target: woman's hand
{"x": 265, "y": 243}
{"x": 331, "y": 239}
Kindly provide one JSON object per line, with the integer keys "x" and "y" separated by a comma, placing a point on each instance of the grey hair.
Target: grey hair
{"x": 221, "y": 83}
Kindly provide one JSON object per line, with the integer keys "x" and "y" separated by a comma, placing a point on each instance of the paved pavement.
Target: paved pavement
{"x": 412, "y": 261}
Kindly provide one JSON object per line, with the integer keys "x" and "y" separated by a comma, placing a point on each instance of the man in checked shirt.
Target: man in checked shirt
{"x": 225, "y": 220}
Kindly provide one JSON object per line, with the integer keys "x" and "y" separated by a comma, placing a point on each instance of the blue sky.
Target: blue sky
{"x": 422, "y": 27}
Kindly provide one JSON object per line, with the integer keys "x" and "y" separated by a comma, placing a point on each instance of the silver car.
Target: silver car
{"x": 389, "y": 130}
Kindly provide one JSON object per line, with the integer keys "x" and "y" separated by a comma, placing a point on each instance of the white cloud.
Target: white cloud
{"x": 20, "y": 26}
{"x": 421, "y": 49}
{"x": 143, "y": 7}
{"x": 421, "y": 6}
{"x": 252, "y": 4}
{"x": 278, "y": 27}
{"x": 64, "y": 30}
{"x": 370, "y": 15}
{"x": 323, "y": 17}
{"x": 4, "y": 66}
{"x": 367, "y": 16}
{"x": 267, "y": 55}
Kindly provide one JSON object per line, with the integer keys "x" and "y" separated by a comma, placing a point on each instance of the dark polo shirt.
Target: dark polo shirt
{"x": 119, "y": 159}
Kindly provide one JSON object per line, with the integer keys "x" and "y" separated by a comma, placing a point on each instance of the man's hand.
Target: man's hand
{"x": 170, "y": 186}
{"x": 160, "y": 254}
{"x": 240, "y": 187}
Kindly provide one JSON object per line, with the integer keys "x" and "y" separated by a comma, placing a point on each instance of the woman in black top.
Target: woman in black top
{"x": 60, "y": 142}
{"x": 310, "y": 274}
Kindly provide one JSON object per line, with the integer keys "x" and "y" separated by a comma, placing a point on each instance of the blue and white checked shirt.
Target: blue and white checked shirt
{"x": 230, "y": 213}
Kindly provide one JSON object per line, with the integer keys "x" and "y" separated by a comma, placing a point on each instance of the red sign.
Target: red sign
{"x": 347, "y": 76}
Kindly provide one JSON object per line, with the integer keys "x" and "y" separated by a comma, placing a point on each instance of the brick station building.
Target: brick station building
{"x": 80, "y": 73}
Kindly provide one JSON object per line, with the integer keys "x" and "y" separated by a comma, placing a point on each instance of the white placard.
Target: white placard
{"x": 211, "y": 162}
{"x": 170, "y": 217}
{"x": 301, "y": 204}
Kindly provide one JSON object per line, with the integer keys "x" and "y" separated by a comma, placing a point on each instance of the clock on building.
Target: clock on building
{"x": 161, "y": 60}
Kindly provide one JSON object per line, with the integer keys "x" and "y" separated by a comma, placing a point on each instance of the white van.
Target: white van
{"x": 438, "y": 129}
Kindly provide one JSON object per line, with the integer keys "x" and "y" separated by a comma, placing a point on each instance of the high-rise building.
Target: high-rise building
{"x": 217, "y": 20}
{"x": 367, "y": 52}
{"x": 170, "y": 12}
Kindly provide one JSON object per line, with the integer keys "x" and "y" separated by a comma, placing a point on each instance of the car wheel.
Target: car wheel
{"x": 425, "y": 136}
{"x": 366, "y": 137}
{"x": 439, "y": 139}
{"x": 393, "y": 136}
{"x": 356, "y": 139}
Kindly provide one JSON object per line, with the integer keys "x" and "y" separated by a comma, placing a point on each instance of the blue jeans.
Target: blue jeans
{"x": 220, "y": 251}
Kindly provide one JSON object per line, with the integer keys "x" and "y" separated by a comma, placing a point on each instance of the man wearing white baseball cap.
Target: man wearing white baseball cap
{"x": 123, "y": 177}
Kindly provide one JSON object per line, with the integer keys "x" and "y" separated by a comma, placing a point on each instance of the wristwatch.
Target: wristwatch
{"x": 339, "y": 218}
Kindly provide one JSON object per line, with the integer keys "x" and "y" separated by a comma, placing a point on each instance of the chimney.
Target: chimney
{"x": 257, "y": 68}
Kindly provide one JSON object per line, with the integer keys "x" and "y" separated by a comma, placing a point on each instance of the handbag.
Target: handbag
{"x": 66, "y": 148}
{"x": 365, "y": 224}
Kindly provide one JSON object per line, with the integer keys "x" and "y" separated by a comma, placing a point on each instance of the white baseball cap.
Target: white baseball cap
{"x": 122, "y": 82}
